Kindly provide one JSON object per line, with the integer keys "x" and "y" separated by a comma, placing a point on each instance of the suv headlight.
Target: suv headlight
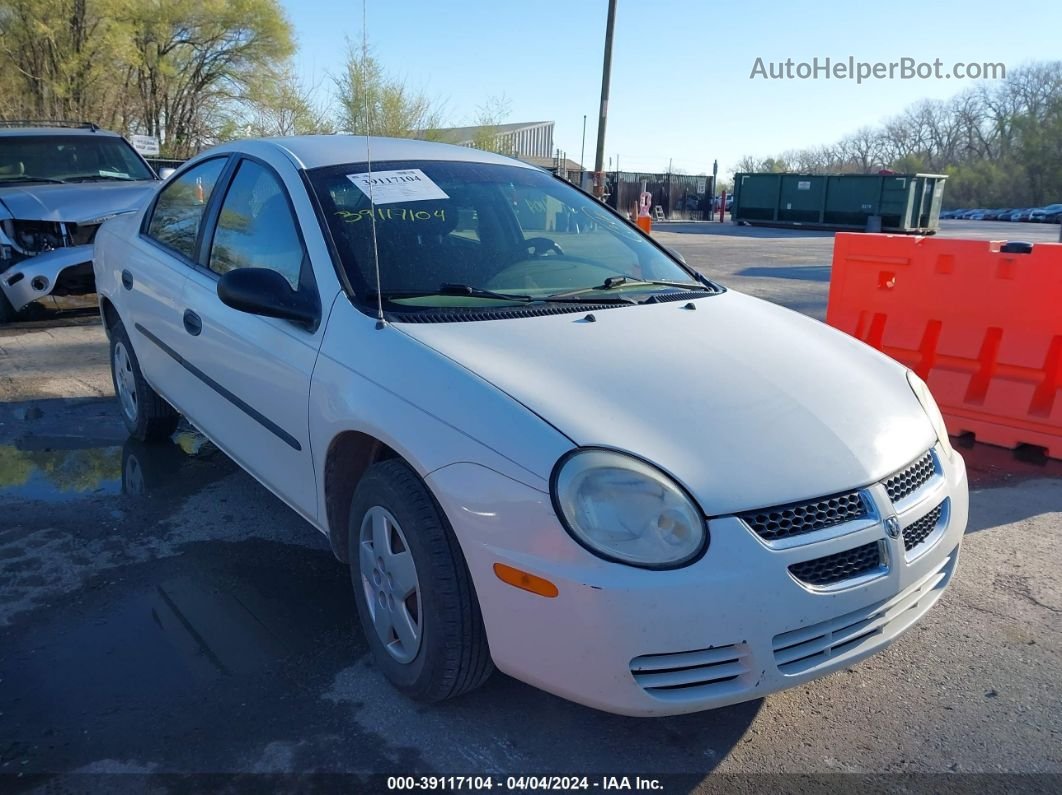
{"x": 929, "y": 405}
{"x": 625, "y": 510}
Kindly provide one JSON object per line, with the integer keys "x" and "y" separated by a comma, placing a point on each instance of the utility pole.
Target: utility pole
{"x": 582, "y": 152}
{"x": 670, "y": 162}
{"x": 715, "y": 175}
{"x": 606, "y": 76}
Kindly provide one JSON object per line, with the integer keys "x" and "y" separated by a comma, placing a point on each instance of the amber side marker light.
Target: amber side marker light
{"x": 524, "y": 581}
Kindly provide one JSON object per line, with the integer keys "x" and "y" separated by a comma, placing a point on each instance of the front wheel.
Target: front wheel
{"x": 414, "y": 595}
{"x": 147, "y": 416}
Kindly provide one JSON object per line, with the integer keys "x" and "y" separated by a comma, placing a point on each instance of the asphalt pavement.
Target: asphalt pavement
{"x": 162, "y": 613}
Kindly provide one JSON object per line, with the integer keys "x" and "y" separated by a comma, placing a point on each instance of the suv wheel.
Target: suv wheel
{"x": 147, "y": 416}
{"x": 414, "y": 595}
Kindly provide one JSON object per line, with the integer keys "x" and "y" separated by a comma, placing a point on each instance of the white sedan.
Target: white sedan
{"x": 539, "y": 440}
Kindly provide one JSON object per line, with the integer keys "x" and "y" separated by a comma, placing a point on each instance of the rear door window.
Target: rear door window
{"x": 179, "y": 208}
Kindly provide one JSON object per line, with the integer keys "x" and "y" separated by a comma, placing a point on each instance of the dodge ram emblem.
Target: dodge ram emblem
{"x": 892, "y": 527}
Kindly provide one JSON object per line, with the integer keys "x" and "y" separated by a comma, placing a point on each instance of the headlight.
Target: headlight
{"x": 625, "y": 510}
{"x": 925, "y": 397}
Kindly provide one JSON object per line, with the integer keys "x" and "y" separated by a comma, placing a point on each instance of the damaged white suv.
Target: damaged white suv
{"x": 58, "y": 183}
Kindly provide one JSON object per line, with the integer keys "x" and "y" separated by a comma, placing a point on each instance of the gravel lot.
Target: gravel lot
{"x": 160, "y": 612}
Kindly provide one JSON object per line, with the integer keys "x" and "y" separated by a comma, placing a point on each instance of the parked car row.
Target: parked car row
{"x": 1051, "y": 214}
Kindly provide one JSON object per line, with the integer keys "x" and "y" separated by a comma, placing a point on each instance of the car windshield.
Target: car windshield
{"x": 475, "y": 234}
{"x": 69, "y": 158}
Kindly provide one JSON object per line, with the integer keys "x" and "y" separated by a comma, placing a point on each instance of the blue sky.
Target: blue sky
{"x": 680, "y": 75}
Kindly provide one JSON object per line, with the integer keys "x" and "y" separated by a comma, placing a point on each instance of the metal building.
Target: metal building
{"x": 522, "y": 139}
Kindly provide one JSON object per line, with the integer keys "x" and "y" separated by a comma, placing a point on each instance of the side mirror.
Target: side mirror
{"x": 676, "y": 254}
{"x": 260, "y": 291}
{"x": 166, "y": 173}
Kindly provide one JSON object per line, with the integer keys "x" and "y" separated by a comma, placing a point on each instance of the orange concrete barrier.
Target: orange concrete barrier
{"x": 979, "y": 322}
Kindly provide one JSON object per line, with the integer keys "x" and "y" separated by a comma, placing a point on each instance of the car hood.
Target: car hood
{"x": 745, "y": 403}
{"x": 79, "y": 203}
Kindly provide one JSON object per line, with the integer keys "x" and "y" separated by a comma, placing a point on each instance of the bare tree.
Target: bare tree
{"x": 193, "y": 58}
{"x": 284, "y": 105}
{"x": 489, "y": 116}
{"x": 998, "y": 142}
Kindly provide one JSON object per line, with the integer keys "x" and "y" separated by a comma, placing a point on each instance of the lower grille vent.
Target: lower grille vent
{"x": 919, "y": 531}
{"x": 840, "y": 566}
{"x": 691, "y": 674}
{"x": 805, "y": 648}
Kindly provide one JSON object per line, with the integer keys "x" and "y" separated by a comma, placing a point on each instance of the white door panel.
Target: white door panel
{"x": 253, "y": 390}
{"x": 154, "y": 277}
{"x": 152, "y": 317}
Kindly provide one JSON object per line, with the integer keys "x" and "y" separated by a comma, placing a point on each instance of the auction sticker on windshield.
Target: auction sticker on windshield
{"x": 389, "y": 187}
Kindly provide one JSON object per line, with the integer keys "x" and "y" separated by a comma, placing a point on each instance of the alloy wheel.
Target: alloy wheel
{"x": 392, "y": 589}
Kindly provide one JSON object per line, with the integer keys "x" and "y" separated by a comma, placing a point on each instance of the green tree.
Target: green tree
{"x": 186, "y": 71}
{"x": 373, "y": 103}
{"x": 58, "y": 59}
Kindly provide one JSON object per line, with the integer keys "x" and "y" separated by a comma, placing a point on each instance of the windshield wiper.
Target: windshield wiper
{"x": 94, "y": 177}
{"x": 30, "y": 178}
{"x": 619, "y": 281}
{"x": 479, "y": 292}
{"x": 613, "y": 282}
{"x": 452, "y": 289}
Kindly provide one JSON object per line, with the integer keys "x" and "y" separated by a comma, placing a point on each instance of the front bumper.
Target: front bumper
{"x": 735, "y": 625}
{"x": 36, "y": 277}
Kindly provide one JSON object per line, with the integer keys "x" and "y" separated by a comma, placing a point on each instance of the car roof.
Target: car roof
{"x": 315, "y": 151}
{"x": 6, "y": 132}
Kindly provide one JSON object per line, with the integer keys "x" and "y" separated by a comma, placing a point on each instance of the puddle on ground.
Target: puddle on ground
{"x": 62, "y": 469}
{"x": 56, "y": 475}
{"x": 162, "y": 661}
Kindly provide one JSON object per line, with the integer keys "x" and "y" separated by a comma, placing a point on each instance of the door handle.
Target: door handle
{"x": 127, "y": 280}
{"x": 193, "y": 324}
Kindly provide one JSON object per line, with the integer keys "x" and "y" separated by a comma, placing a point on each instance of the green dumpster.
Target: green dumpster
{"x": 907, "y": 203}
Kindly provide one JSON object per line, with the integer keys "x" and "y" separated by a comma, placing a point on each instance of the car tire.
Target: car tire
{"x": 146, "y": 415}
{"x": 430, "y": 643}
{"x": 7, "y": 311}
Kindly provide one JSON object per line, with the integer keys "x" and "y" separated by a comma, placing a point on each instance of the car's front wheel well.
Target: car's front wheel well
{"x": 109, "y": 314}
{"x": 350, "y": 454}
{"x": 75, "y": 280}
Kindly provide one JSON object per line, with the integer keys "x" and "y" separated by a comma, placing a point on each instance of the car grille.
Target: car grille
{"x": 840, "y": 566}
{"x": 802, "y": 649}
{"x": 911, "y": 479}
{"x": 785, "y": 521}
{"x": 691, "y": 674}
{"x": 917, "y": 532}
